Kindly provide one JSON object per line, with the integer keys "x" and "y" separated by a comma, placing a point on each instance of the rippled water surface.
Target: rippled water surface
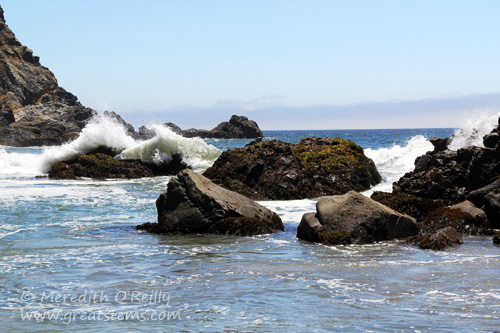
{"x": 69, "y": 250}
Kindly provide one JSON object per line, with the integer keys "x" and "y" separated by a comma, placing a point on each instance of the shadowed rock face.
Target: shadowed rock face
{"x": 278, "y": 170}
{"x": 354, "y": 218}
{"x": 34, "y": 110}
{"x": 194, "y": 204}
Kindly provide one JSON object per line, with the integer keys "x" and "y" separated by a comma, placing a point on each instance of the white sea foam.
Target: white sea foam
{"x": 474, "y": 127}
{"x": 105, "y": 131}
{"x": 194, "y": 151}
{"x": 394, "y": 162}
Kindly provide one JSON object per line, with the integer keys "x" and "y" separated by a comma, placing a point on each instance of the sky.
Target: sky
{"x": 286, "y": 64}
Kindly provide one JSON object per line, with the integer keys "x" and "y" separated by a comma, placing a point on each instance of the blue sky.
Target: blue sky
{"x": 287, "y": 64}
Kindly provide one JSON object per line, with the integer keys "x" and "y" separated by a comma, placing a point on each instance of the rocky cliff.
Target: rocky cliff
{"x": 34, "y": 110}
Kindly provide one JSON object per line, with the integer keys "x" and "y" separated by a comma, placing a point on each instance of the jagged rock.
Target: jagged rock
{"x": 281, "y": 171}
{"x": 441, "y": 239}
{"x": 238, "y": 127}
{"x": 194, "y": 204}
{"x": 34, "y": 110}
{"x": 450, "y": 175}
{"x": 100, "y": 164}
{"x": 128, "y": 127}
{"x": 354, "y": 218}
{"x": 440, "y": 144}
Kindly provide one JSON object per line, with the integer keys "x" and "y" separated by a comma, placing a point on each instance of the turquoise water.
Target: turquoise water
{"x": 70, "y": 254}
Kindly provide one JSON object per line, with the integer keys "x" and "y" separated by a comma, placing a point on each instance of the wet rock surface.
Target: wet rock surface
{"x": 442, "y": 239}
{"x": 277, "y": 170}
{"x": 101, "y": 164}
{"x": 354, "y": 218}
{"x": 451, "y": 177}
{"x": 194, "y": 204}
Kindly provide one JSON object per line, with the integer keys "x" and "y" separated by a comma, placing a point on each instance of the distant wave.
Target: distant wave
{"x": 395, "y": 161}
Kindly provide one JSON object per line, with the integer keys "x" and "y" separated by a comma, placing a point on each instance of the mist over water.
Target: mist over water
{"x": 78, "y": 238}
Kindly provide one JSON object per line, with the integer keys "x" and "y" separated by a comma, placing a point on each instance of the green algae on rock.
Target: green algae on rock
{"x": 278, "y": 170}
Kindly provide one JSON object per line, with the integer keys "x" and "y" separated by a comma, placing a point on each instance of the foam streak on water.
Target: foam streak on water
{"x": 77, "y": 237}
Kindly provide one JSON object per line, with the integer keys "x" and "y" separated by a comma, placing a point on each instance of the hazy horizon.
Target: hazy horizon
{"x": 286, "y": 65}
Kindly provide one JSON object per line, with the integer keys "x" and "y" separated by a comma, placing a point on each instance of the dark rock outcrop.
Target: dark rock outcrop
{"x": 194, "y": 204}
{"x": 451, "y": 177}
{"x": 432, "y": 215}
{"x": 441, "y": 239}
{"x": 280, "y": 171}
{"x": 456, "y": 216}
{"x": 34, "y": 110}
{"x": 100, "y": 164}
{"x": 238, "y": 127}
{"x": 440, "y": 144}
{"x": 408, "y": 204}
{"x": 354, "y": 218}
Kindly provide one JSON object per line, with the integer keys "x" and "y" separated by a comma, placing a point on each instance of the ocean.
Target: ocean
{"x": 71, "y": 259}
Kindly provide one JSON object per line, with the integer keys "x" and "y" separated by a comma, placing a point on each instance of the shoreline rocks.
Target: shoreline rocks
{"x": 193, "y": 204}
{"x": 354, "y": 218}
{"x": 275, "y": 170}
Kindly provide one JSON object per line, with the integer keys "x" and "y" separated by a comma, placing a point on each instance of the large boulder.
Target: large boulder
{"x": 278, "y": 170}
{"x": 34, "y": 110}
{"x": 354, "y": 218}
{"x": 194, "y": 204}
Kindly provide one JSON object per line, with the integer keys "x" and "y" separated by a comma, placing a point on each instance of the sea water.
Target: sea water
{"x": 71, "y": 259}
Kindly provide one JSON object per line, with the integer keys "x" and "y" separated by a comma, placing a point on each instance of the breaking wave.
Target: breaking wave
{"x": 105, "y": 131}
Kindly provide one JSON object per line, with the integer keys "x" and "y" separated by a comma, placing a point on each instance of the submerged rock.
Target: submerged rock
{"x": 194, "y": 204}
{"x": 441, "y": 239}
{"x": 354, "y": 218}
{"x": 34, "y": 110}
{"x": 100, "y": 164}
{"x": 281, "y": 171}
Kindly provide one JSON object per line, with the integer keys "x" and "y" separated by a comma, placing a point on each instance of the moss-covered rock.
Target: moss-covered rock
{"x": 278, "y": 170}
